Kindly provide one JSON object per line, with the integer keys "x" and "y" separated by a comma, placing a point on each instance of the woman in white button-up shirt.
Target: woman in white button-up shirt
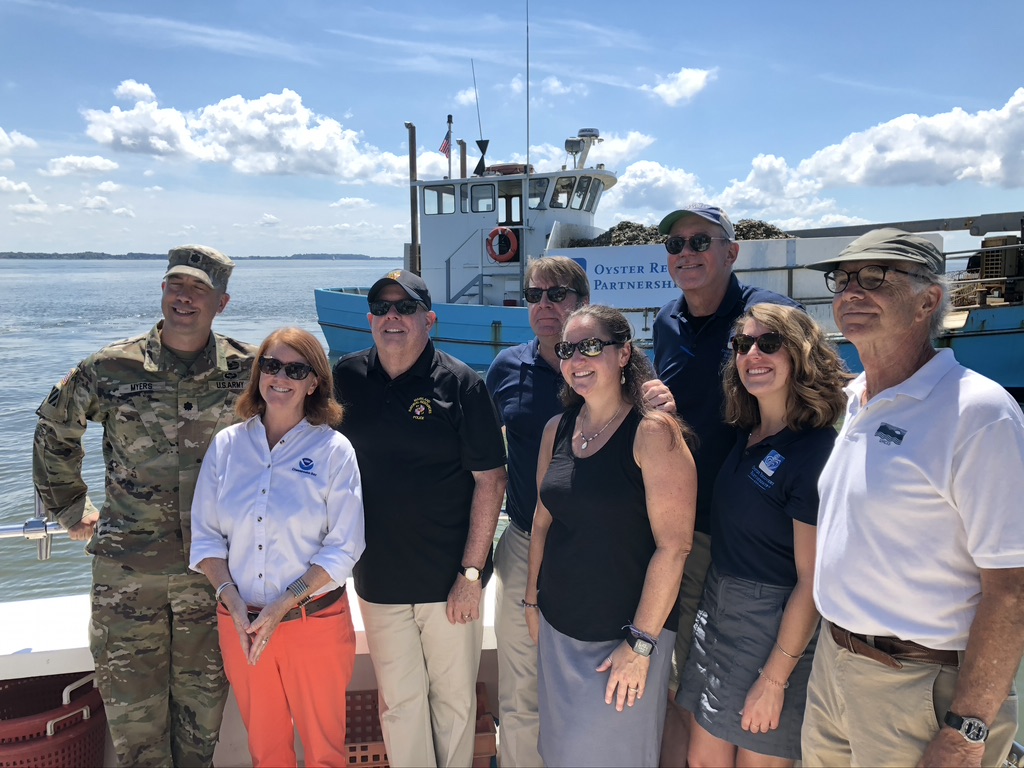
{"x": 277, "y": 525}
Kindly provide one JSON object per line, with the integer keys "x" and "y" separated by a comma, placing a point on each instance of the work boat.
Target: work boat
{"x": 473, "y": 236}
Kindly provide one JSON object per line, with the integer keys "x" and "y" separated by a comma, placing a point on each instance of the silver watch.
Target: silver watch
{"x": 972, "y": 729}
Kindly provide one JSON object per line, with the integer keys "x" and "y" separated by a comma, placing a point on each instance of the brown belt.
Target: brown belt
{"x": 315, "y": 605}
{"x": 891, "y": 651}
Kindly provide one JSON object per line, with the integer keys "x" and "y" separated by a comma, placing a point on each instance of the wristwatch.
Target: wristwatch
{"x": 639, "y": 645}
{"x": 972, "y": 729}
{"x": 471, "y": 573}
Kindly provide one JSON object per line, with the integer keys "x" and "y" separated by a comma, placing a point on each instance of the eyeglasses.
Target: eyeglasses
{"x": 404, "y": 307}
{"x": 297, "y": 371}
{"x": 769, "y": 343}
{"x": 556, "y": 295}
{"x": 699, "y": 243}
{"x": 587, "y": 347}
{"x": 869, "y": 278}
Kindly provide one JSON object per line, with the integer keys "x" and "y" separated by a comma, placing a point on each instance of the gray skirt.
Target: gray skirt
{"x": 735, "y": 631}
{"x": 576, "y": 726}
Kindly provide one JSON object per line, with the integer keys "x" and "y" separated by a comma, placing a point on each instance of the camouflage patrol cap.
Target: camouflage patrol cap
{"x": 202, "y": 262}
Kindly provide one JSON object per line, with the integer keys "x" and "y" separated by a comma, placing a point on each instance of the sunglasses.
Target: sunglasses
{"x": 587, "y": 347}
{"x": 556, "y": 295}
{"x": 404, "y": 307}
{"x": 297, "y": 371}
{"x": 699, "y": 243}
{"x": 869, "y": 278}
{"x": 768, "y": 343}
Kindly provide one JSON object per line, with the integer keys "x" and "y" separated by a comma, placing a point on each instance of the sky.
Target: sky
{"x": 273, "y": 128}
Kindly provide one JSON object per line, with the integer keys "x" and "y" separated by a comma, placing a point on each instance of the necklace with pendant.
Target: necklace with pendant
{"x": 588, "y": 440}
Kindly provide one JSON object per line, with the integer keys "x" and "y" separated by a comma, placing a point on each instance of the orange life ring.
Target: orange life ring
{"x": 494, "y": 244}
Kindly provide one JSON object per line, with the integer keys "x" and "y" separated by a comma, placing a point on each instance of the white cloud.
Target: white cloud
{"x": 153, "y": 189}
{"x": 351, "y": 202}
{"x": 126, "y": 212}
{"x": 65, "y": 166}
{"x": 34, "y": 206}
{"x": 15, "y": 140}
{"x": 985, "y": 146}
{"x": 129, "y": 90}
{"x": 95, "y": 203}
{"x": 268, "y": 220}
{"x": 108, "y": 187}
{"x": 682, "y": 86}
{"x": 274, "y": 134}
{"x": 466, "y": 97}
{"x": 6, "y": 185}
{"x": 517, "y": 85}
{"x": 6, "y": 164}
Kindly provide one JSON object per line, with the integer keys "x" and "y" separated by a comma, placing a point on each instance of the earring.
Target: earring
{"x": 622, "y": 376}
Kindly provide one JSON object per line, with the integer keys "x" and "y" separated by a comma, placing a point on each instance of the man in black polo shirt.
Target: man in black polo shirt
{"x": 691, "y": 344}
{"x": 432, "y": 462}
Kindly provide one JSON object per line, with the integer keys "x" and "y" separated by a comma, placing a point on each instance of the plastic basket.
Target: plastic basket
{"x": 51, "y": 721}
{"x": 365, "y": 742}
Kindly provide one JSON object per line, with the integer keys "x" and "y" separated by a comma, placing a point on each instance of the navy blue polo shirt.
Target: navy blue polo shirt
{"x": 525, "y": 392}
{"x": 759, "y": 492}
{"x": 418, "y": 439}
{"x": 689, "y": 355}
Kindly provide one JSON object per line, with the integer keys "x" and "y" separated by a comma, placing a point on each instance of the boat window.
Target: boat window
{"x": 563, "y": 191}
{"x": 581, "y": 192}
{"x": 595, "y": 194}
{"x": 438, "y": 199}
{"x": 464, "y": 197}
{"x": 482, "y": 197}
{"x": 538, "y": 189}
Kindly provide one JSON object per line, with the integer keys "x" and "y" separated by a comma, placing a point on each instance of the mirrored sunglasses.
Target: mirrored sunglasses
{"x": 769, "y": 343}
{"x": 699, "y": 243}
{"x": 404, "y": 307}
{"x": 587, "y": 347}
{"x": 556, "y": 295}
{"x": 297, "y": 371}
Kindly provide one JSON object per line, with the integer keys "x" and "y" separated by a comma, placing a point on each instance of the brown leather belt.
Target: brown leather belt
{"x": 315, "y": 605}
{"x": 891, "y": 651}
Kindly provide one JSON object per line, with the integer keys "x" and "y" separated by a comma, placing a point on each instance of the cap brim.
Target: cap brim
{"x": 181, "y": 269}
{"x": 829, "y": 265}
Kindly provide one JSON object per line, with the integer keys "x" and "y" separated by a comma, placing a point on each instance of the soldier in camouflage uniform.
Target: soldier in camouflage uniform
{"x": 160, "y": 397}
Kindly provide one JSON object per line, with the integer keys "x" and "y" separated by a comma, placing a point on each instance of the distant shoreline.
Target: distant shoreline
{"x": 91, "y": 256}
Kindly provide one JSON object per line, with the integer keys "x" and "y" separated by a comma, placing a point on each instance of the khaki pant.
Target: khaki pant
{"x": 158, "y": 665}
{"x": 517, "y": 654}
{"x": 426, "y": 672}
{"x": 862, "y": 713}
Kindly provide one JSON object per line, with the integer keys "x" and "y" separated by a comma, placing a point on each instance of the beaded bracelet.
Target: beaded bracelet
{"x": 528, "y": 605}
{"x": 786, "y": 654}
{"x": 221, "y": 588}
{"x": 769, "y": 680}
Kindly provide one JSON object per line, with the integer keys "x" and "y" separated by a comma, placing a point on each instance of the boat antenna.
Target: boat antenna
{"x": 527, "y": 86}
{"x": 476, "y": 97}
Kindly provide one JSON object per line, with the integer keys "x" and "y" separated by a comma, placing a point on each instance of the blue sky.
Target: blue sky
{"x": 273, "y": 128}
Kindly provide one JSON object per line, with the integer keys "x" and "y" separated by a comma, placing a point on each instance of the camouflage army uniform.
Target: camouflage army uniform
{"x": 153, "y": 632}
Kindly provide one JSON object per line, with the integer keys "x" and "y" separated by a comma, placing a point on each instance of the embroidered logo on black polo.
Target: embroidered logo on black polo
{"x": 771, "y": 462}
{"x": 421, "y": 408}
{"x": 305, "y": 467}
{"x": 887, "y": 434}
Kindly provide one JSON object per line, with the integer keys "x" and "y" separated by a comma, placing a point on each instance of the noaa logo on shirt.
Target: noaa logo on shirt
{"x": 305, "y": 467}
{"x": 770, "y": 463}
{"x": 887, "y": 434}
{"x": 421, "y": 408}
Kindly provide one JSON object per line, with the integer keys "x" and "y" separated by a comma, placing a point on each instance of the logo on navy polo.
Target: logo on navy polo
{"x": 305, "y": 467}
{"x": 887, "y": 434}
{"x": 421, "y": 408}
{"x": 761, "y": 474}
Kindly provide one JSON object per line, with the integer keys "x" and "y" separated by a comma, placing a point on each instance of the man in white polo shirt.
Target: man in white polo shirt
{"x": 920, "y": 569}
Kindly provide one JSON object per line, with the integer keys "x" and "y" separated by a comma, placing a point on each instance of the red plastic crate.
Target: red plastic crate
{"x": 365, "y": 742}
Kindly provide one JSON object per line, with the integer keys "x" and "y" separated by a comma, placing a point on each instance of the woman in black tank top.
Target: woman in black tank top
{"x": 613, "y": 525}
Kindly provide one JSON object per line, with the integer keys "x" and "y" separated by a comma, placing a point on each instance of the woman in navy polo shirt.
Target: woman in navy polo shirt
{"x": 745, "y": 680}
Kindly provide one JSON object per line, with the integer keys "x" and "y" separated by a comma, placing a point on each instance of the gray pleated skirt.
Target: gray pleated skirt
{"x": 736, "y": 628}
{"x": 576, "y": 726}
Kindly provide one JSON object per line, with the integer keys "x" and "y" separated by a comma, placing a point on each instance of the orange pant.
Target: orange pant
{"x": 301, "y": 677}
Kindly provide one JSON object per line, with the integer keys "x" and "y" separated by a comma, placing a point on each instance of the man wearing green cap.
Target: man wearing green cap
{"x": 919, "y": 576}
{"x": 160, "y": 397}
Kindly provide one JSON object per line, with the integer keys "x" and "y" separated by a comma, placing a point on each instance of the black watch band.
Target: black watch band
{"x": 973, "y": 730}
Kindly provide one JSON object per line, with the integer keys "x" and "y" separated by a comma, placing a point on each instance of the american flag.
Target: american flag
{"x": 446, "y": 146}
